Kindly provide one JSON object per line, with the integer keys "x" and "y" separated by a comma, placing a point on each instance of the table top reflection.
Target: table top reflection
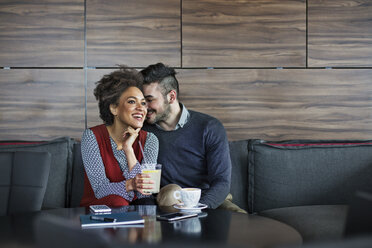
{"x": 61, "y": 228}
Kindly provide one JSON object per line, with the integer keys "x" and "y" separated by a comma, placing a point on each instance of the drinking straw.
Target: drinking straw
{"x": 143, "y": 154}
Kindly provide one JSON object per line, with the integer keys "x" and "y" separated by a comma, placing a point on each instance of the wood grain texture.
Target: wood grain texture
{"x": 93, "y": 118}
{"x": 244, "y": 33}
{"x": 48, "y": 33}
{"x": 283, "y": 104}
{"x": 41, "y": 104}
{"x": 133, "y": 32}
{"x": 340, "y": 33}
{"x": 267, "y": 104}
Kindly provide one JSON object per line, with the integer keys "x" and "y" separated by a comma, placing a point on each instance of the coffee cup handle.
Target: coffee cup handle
{"x": 177, "y": 194}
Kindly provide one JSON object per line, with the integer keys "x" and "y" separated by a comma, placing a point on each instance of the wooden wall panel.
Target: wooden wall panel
{"x": 283, "y": 104}
{"x": 92, "y": 104}
{"x": 250, "y": 33}
{"x": 271, "y": 104}
{"x": 46, "y": 33}
{"x": 133, "y": 32}
{"x": 41, "y": 104}
{"x": 340, "y": 33}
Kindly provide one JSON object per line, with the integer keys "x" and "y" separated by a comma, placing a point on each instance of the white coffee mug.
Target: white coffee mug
{"x": 189, "y": 196}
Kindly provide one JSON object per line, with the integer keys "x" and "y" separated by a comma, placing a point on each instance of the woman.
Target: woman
{"x": 112, "y": 152}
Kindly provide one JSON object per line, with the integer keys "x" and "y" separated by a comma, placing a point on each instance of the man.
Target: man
{"x": 193, "y": 147}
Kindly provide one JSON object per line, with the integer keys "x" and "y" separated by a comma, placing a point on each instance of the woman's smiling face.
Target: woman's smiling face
{"x": 132, "y": 109}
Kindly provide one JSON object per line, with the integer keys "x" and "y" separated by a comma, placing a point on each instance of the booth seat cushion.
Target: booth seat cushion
{"x": 23, "y": 181}
{"x": 298, "y": 173}
{"x": 58, "y": 186}
{"x": 354, "y": 242}
{"x": 314, "y": 223}
{"x": 239, "y": 172}
{"x": 77, "y": 187}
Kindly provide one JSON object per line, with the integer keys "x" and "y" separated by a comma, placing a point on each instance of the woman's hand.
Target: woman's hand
{"x": 129, "y": 136}
{"x": 140, "y": 183}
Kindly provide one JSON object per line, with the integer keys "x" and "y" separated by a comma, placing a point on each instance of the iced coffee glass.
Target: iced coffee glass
{"x": 154, "y": 170}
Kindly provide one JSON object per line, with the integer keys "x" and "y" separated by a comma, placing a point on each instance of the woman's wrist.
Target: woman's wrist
{"x": 131, "y": 158}
{"x": 129, "y": 185}
{"x": 128, "y": 149}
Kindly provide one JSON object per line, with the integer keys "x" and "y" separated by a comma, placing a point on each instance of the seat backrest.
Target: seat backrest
{"x": 359, "y": 218}
{"x": 306, "y": 172}
{"x": 23, "y": 180}
{"x": 239, "y": 172}
{"x": 77, "y": 182}
{"x": 59, "y": 183}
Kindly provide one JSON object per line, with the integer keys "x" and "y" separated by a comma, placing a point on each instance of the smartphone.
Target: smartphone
{"x": 176, "y": 216}
{"x": 100, "y": 208}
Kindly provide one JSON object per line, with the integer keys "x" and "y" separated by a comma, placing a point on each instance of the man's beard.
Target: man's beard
{"x": 162, "y": 116}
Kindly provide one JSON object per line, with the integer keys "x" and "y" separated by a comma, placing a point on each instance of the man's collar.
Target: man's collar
{"x": 183, "y": 118}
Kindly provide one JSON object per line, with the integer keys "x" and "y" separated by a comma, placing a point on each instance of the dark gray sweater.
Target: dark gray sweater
{"x": 196, "y": 155}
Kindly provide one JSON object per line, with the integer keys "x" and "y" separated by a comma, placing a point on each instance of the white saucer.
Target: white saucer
{"x": 195, "y": 209}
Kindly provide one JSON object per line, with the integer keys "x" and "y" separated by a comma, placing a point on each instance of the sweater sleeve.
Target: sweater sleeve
{"x": 218, "y": 164}
{"x": 95, "y": 170}
{"x": 151, "y": 149}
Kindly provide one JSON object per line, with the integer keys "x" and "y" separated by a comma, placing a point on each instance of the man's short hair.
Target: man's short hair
{"x": 162, "y": 74}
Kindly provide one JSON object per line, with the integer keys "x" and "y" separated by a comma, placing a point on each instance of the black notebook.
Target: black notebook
{"x": 111, "y": 220}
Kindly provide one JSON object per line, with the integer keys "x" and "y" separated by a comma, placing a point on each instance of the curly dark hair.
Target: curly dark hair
{"x": 162, "y": 74}
{"x": 109, "y": 89}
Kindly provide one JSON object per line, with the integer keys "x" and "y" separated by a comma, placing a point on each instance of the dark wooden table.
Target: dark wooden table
{"x": 217, "y": 228}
